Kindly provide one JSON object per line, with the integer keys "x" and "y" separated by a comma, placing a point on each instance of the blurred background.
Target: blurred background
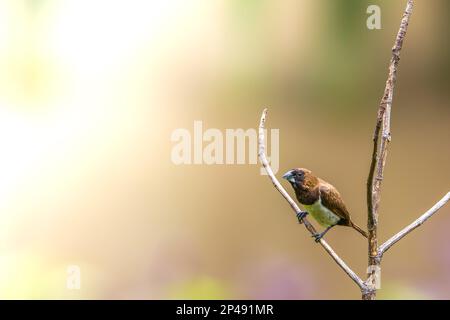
{"x": 90, "y": 93}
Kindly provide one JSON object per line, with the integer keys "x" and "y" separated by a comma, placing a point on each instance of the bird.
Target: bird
{"x": 321, "y": 200}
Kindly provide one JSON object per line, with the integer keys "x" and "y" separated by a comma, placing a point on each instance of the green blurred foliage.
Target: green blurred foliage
{"x": 401, "y": 291}
{"x": 199, "y": 288}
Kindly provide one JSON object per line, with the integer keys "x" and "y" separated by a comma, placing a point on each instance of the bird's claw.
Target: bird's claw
{"x": 301, "y": 215}
{"x": 317, "y": 237}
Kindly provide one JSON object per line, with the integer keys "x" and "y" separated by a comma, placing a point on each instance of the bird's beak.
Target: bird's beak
{"x": 289, "y": 176}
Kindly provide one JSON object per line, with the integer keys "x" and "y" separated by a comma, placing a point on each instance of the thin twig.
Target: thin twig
{"x": 379, "y": 153}
{"x": 308, "y": 225}
{"x": 394, "y": 239}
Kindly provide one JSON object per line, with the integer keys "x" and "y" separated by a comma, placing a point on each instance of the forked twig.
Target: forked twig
{"x": 376, "y": 173}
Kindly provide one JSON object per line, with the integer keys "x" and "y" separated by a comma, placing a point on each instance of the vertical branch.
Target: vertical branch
{"x": 379, "y": 154}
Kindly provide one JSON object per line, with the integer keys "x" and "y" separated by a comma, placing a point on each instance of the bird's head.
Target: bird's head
{"x": 301, "y": 178}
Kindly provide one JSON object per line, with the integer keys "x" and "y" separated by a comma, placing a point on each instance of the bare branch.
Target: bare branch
{"x": 265, "y": 163}
{"x": 417, "y": 223}
{"x": 381, "y": 139}
{"x": 379, "y": 153}
{"x": 308, "y": 225}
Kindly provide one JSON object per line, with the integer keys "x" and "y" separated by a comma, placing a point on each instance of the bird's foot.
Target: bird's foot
{"x": 301, "y": 215}
{"x": 317, "y": 237}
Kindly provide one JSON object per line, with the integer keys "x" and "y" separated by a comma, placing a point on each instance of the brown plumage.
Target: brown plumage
{"x": 321, "y": 200}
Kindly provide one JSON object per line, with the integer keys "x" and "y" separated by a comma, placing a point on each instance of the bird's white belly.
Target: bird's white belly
{"x": 323, "y": 215}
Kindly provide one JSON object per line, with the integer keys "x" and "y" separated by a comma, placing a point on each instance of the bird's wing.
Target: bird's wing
{"x": 331, "y": 199}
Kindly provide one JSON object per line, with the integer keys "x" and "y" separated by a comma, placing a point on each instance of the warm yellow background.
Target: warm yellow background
{"x": 90, "y": 92}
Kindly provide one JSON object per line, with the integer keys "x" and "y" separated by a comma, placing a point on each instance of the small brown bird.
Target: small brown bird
{"x": 321, "y": 200}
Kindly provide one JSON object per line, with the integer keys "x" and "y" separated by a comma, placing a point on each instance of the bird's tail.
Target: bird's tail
{"x": 358, "y": 228}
